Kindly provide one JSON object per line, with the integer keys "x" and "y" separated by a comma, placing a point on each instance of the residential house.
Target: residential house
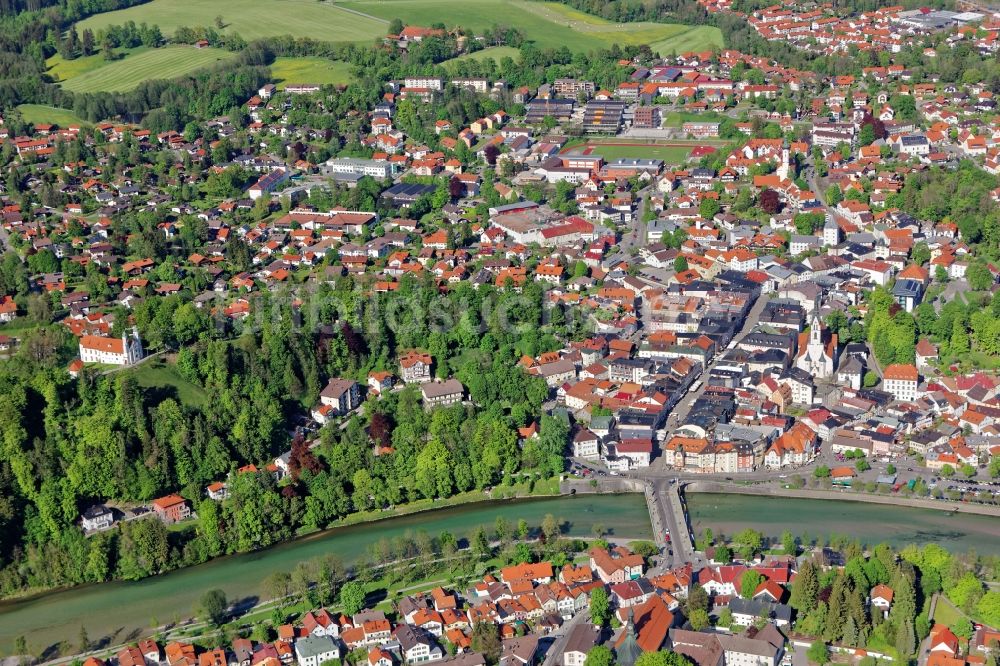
{"x": 416, "y": 645}
{"x": 445, "y": 393}
{"x": 580, "y": 642}
{"x": 315, "y": 650}
{"x": 341, "y": 396}
{"x": 881, "y": 599}
{"x": 616, "y": 565}
{"x": 901, "y": 379}
{"x": 415, "y": 367}
{"x": 97, "y": 517}
{"x": 172, "y": 508}
{"x": 747, "y": 611}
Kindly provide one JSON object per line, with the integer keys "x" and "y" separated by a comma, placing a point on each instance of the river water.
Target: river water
{"x": 126, "y": 609}
{"x": 871, "y": 523}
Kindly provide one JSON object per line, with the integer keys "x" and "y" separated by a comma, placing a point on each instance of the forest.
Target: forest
{"x": 71, "y": 442}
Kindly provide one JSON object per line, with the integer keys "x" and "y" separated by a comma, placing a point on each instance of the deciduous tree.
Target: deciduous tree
{"x": 600, "y": 607}
{"x": 213, "y": 607}
{"x": 352, "y": 597}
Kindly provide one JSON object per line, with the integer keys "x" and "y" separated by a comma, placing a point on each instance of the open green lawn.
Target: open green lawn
{"x": 158, "y": 374}
{"x": 473, "y": 14}
{"x": 548, "y": 24}
{"x": 497, "y": 53}
{"x": 321, "y": 71}
{"x": 945, "y": 613}
{"x": 661, "y": 37}
{"x": 18, "y": 326}
{"x": 613, "y": 151}
{"x": 61, "y": 69}
{"x": 164, "y": 63}
{"x": 39, "y": 113}
{"x": 252, "y": 19}
{"x": 678, "y": 118}
{"x": 691, "y": 38}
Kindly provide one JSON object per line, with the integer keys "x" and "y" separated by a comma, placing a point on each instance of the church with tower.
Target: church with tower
{"x": 819, "y": 357}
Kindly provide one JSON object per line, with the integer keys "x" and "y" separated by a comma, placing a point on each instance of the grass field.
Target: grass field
{"x": 945, "y": 613}
{"x": 548, "y": 24}
{"x": 614, "y": 151}
{"x": 158, "y": 374}
{"x": 322, "y": 71}
{"x": 661, "y": 37}
{"x": 692, "y": 38}
{"x": 62, "y": 70}
{"x": 165, "y": 63}
{"x": 497, "y": 53}
{"x": 678, "y": 118}
{"x": 38, "y": 113}
{"x": 252, "y": 19}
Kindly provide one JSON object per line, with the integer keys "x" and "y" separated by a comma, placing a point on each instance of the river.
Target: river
{"x": 123, "y": 611}
{"x": 871, "y": 523}
{"x": 126, "y": 610}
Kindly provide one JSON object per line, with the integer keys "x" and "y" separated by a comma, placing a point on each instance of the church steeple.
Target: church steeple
{"x": 815, "y": 331}
{"x": 628, "y": 650}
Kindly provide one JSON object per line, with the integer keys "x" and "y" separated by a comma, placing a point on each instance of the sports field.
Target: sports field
{"x": 670, "y": 154}
{"x": 252, "y": 19}
{"x": 321, "y": 71}
{"x": 164, "y": 63}
{"x": 39, "y": 113}
{"x": 548, "y": 24}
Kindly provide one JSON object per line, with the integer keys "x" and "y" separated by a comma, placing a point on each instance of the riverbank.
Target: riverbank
{"x": 820, "y": 517}
{"x": 118, "y": 612}
{"x": 539, "y": 489}
{"x": 845, "y": 495}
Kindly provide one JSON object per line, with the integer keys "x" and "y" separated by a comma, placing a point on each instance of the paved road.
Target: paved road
{"x": 561, "y": 635}
{"x": 683, "y": 408}
{"x": 672, "y": 516}
{"x": 799, "y": 657}
{"x": 636, "y": 237}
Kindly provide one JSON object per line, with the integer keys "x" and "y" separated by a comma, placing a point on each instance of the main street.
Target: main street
{"x": 683, "y": 408}
{"x": 667, "y": 513}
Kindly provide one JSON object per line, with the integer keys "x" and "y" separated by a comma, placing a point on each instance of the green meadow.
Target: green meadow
{"x": 321, "y": 71}
{"x": 125, "y": 74}
{"x": 252, "y": 19}
{"x": 548, "y": 24}
{"x": 39, "y": 113}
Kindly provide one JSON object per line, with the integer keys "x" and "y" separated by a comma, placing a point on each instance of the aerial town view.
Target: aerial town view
{"x": 499, "y": 333}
